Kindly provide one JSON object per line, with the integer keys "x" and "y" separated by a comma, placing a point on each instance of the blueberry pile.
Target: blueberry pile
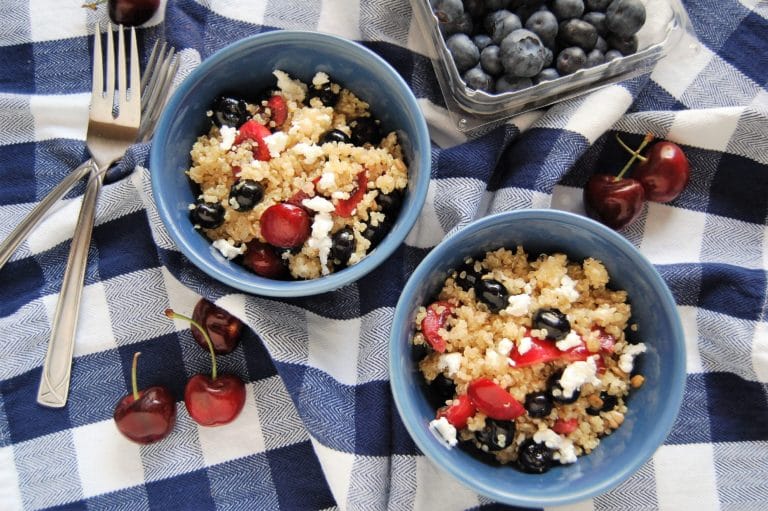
{"x": 507, "y": 45}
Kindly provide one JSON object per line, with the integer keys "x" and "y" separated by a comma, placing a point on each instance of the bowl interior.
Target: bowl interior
{"x": 652, "y": 408}
{"x": 245, "y": 68}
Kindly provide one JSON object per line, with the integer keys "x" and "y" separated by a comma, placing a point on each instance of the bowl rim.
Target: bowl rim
{"x": 438, "y": 454}
{"x": 278, "y": 288}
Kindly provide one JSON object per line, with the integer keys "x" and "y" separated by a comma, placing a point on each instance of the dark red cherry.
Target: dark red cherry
{"x": 285, "y": 225}
{"x": 263, "y": 260}
{"x": 214, "y": 401}
{"x": 223, "y": 327}
{"x": 131, "y": 12}
{"x": 613, "y": 201}
{"x": 664, "y": 173}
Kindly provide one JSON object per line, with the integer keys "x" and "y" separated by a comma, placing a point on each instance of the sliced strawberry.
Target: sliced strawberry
{"x": 346, "y": 207}
{"x": 437, "y": 314}
{"x": 545, "y": 350}
{"x": 255, "y": 132}
{"x": 279, "y": 110}
{"x": 458, "y": 412}
{"x": 565, "y": 427}
{"x": 494, "y": 401}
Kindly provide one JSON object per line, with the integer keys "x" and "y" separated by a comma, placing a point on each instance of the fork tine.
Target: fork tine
{"x": 97, "y": 89}
{"x": 157, "y": 50}
{"x": 122, "y": 70}
{"x": 110, "y": 79}
{"x": 155, "y": 92}
{"x": 135, "y": 83}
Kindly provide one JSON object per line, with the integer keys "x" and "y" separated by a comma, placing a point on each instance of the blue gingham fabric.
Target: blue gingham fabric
{"x": 319, "y": 429}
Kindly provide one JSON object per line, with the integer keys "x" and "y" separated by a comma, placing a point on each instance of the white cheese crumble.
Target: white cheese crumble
{"x": 525, "y": 344}
{"x": 449, "y": 362}
{"x": 565, "y": 451}
{"x": 627, "y": 357}
{"x": 570, "y": 341}
{"x": 309, "y": 152}
{"x": 228, "y": 135}
{"x": 320, "y": 79}
{"x": 321, "y": 228}
{"x": 444, "y": 431}
{"x": 319, "y": 204}
{"x": 495, "y": 361}
{"x": 227, "y": 249}
{"x": 568, "y": 288}
{"x": 577, "y": 374}
{"x": 293, "y": 90}
{"x": 518, "y": 305}
{"x": 505, "y": 347}
{"x": 276, "y": 143}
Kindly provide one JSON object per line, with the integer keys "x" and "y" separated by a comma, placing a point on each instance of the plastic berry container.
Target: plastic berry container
{"x": 475, "y": 111}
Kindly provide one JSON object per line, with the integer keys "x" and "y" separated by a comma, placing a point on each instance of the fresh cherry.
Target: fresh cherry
{"x": 131, "y": 12}
{"x": 285, "y": 225}
{"x": 263, "y": 260}
{"x": 664, "y": 172}
{"x": 615, "y": 200}
{"x": 216, "y": 399}
{"x": 223, "y": 328}
{"x": 145, "y": 416}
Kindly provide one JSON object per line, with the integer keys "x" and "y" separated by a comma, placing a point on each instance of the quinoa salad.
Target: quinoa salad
{"x": 298, "y": 182}
{"x": 527, "y": 361}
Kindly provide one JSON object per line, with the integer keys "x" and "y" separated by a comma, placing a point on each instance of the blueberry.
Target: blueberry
{"x": 625, "y": 45}
{"x": 544, "y": 25}
{"x": 365, "y": 130}
{"x": 465, "y": 276}
{"x": 534, "y": 458}
{"x": 595, "y": 58}
{"x": 556, "y": 390}
{"x": 522, "y": 53}
{"x": 390, "y": 203}
{"x": 376, "y": 233}
{"x": 571, "y": 60}
{"x": 565, "y": 9}
{"x": 343, "y": 245}
{"x": 465, "y": 53}
{"x": 553, "y": 321}
{"x": 612, "y": 55}
{"x": 246, "y": 193}
{"x": 475, "y": 8}
{"x": 609, "y": 403}
{"x": 502, "y": 27}
{"x": 576, "y": 32}
{"x": 495, "y": 435}
{"x": 512, "y": 83}
{"x": 334, "y": 136}
{"x": 324, "y": 93}
{"x": 625, "y": 17}
{"x": 490, "y": 60}
{"x": 443, "y": 388}
{"x": 597, "y": 5}
{"x": 447, "y": 11}
{"x": 538, "y": 404}
{"x": 482, "y": 41}
{"x": 548, "y": 58}
{"x": 597, "y": 20}
{"x": 601, "y": 44}
{"x": 492, "y": 293}
{"x": 463, "y": 24}
{"x": 547, "y": 74}
{"x": 478, "y": 79}
{"x": 492, "y": 17}
{"x": 208, "y": 215}
{"x": 495, "y": 5}
{"x": 229, "y": 111}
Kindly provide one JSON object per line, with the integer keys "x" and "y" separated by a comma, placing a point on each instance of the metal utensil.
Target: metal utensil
{"x": 107, "y": 139}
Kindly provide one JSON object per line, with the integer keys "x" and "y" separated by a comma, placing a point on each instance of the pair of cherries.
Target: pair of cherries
{"x": 148, "y": 415}
{"x": 661, "y": 176}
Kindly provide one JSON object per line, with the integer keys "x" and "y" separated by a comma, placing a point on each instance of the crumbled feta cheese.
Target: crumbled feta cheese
{"x": 310, "y": 152}
{"x": 293, "y": 90}
{"x": 518, "y": 305}
{"x": 444, "y": 431}
{"x": 227, "y": 249}
{"x": 565, "y": 451}
{"x": 320, "y": 239}
{"x": 319, "y": 204}
{"x": 505, "y": 347}
{"x": 340, "y": 195}
{"x": 449, "y": 362}
{"x": 228, "y": 135}
{"x": 327, "y": 181}
{"x": 276, "y": 143}
{"x": 627, "y": 357}
{"x": 320, "y": 79}
{"x": 525, "y": 344}
{"x": 568, "y": 288}
{"x": 570, "y": 341}
{"x": 577, "y": 374}
{"x": 495, "y": 361}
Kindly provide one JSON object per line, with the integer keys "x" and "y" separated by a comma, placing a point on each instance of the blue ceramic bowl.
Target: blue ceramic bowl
{"x": 652, "y": 408}
{"x": 245, "y": 67}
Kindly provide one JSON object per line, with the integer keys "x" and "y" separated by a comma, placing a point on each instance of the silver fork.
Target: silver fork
{"x": 107, "y": 139}
{"x": 156, "y": 81}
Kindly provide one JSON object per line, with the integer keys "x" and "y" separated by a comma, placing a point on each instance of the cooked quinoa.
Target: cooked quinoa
{"x": 304, "y": 170}
{"x": 533, "y": 333}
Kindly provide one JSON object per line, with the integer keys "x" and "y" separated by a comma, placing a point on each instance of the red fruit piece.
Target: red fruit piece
{"x": 616, "y": 202}
{"x": 214, "y": 401}
{"x": 664, "y": 173}
{"x": 437, "y": 314}
{"x": 346, "y": 207}
{"x": 285, "y": 225}
{"x": 255, "y": 132}
{"x": 494, "y": 401}
{"x": 262, "y": 260}
{"x": 545, "y": 350}
{"x": 278, "y": 109}
{"x": 145, "y": 416}
{"x": 223, "y": 327}
{"x": 131, "y": 12}
{"x": 607, "y": 341}
{"x": 565, "y": 427}
{"x": 458, "y": 412}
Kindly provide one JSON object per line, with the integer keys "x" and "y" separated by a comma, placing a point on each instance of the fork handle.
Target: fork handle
{"x": 57, "y": 368}
{"x": 21, "y": 232}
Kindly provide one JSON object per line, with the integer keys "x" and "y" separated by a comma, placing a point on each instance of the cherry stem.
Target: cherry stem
{"x": 635, "y": 154}
{"x": 174, "y": 315}
{"x": 134, "y": 383}
{"x": 93, "y": 5}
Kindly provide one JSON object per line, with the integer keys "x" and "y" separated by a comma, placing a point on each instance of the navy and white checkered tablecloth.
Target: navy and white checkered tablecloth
{"x": 317, "y": 431}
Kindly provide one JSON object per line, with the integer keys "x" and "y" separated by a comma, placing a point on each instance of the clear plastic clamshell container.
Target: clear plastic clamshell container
{"x": 474, "y": 111}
